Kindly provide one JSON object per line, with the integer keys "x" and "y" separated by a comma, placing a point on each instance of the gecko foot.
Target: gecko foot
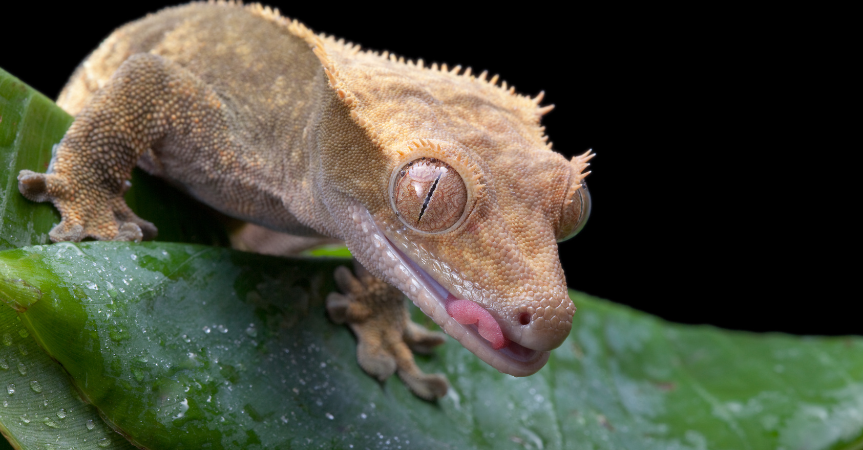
{"x": 86, "y": 211}
{"x": 386, "y": 336}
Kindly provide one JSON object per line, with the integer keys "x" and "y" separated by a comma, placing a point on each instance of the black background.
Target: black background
{"x": 705, "y": 209}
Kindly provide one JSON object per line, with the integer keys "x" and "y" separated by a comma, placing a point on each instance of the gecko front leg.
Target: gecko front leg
{"x": 147, "y": 106}
{"x": 376, "y": 313}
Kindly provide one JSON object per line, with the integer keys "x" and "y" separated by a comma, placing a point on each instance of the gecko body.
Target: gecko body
{"x": 441, "y": 183}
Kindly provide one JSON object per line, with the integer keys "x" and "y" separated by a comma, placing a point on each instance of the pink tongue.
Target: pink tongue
{"x": 467, "y": 312}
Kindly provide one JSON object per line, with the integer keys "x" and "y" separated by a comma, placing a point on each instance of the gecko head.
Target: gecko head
{"x": 474, "y": 245}
{"x": 454, "y": 196}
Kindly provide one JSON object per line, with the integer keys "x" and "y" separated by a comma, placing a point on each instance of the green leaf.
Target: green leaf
{"x": 183, "y": 345}
{"x": 40, "y": 407}
{"x": 28, "y": 120}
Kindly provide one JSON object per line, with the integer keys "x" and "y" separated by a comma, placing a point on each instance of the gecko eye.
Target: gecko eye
{"x": 429, "y": 195}
{"x": 575, "y": 214}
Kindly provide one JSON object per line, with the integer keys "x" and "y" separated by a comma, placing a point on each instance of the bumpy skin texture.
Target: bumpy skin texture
{"x": 267, "y": 122}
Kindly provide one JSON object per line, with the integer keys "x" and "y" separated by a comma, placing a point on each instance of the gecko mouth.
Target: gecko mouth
{"x": 466, "y": 321}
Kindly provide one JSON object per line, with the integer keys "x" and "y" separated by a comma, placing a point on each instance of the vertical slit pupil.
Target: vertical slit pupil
{"x": 428, "y": 198}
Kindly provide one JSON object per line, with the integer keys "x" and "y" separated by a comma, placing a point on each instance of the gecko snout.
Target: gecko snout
{"x": 541, "y": 330}
{"x": 542, "y": 338}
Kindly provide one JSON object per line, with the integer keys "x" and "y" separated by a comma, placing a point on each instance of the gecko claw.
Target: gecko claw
{"x": 376, "y": 313}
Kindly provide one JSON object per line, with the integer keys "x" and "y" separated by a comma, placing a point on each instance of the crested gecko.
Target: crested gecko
{"x": 442, "y": 184}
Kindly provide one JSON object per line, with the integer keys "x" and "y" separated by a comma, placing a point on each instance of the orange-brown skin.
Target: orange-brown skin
{"x": 267, "y": 122}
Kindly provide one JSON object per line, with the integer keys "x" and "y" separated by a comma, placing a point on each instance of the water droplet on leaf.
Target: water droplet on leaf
{"x": 50, "y": 423}
{"x": 35, "y": 386}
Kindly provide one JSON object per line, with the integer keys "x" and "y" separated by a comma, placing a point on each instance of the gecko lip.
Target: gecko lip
{"x": 432, "y": 298}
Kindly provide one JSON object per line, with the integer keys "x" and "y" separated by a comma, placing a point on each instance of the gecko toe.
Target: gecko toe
{"x": 347, "y": 282}
{"x": 33, "y": 186}
{"x": 148, "y": 230}
{"x": 66, "y": 232}
{"x": 129, "y": 232}
{"x": 421, "y": 340}
{"x": 374, "y": 360}
{"x": 337, "y": 307}
{"x": 426, "y": 386}
{"x": 131, "y": 227}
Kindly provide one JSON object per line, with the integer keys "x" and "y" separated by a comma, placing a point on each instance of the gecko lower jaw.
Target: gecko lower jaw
{"x": 432, "y": 298}
{"x": 507, "y": 347}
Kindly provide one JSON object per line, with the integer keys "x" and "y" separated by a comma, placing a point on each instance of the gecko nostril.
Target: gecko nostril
{"x": 524, "y": 318}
